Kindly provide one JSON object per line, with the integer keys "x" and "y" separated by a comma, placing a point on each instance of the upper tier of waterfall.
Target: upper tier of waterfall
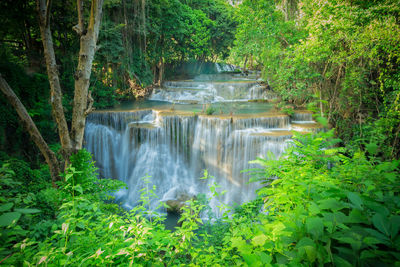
{"x": 211, "y": 88}
{"x": 170, "y": 138}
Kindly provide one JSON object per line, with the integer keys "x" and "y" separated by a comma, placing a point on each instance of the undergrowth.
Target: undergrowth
{"x": 321, "y": 205}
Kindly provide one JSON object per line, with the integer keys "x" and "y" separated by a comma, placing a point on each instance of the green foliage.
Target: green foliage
{"x": 135, "y": 37}
{"x": 210, "y": 110}
{"x": 33, "y": 91}
{"x": 341, "y": 55}
{"x": 320, "y": 204}
{"x": 323, "y": 214}
{"x": 15, "y": 211}
{"x": 81, "y": 178}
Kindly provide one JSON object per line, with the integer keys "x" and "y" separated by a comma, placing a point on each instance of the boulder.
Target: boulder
{"x": 175, "y": 205}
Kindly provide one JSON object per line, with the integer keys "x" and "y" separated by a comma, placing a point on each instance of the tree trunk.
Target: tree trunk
{"x": 52, "y": 72}
{"x": 30, "y": 126}
{"x": 245, "y": 63}
{"x": 82, "y": 76}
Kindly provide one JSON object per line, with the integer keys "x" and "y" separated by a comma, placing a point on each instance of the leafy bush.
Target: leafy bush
{"x": 345, "y": 215}
{"x": 320, "y": 205}
{"x": 210, "y": 110}
{"x": 15, "y": 213}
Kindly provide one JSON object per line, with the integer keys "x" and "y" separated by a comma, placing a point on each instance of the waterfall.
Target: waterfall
{"x": 302, "y": 116}
{"x": 172, "y": 145}
{"x": 222, "y": 67}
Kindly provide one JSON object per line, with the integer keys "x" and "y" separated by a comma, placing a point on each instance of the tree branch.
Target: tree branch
{"x": 33, "y": 131}
{"x": 92, "y": 15}
{"x": 90, "y": 104}
{"x": 95, "y": 17}
{"x": 48, "y": 9}
{"x": 80, "y": 27}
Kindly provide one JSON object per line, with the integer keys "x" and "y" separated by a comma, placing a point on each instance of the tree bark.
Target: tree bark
{"x": 245, "y": 63}
{"x": 52, "y": 72}
{"x": 30, "y": 126}
{"x": 70, "y": 142}
{"x": 82, "y": 76}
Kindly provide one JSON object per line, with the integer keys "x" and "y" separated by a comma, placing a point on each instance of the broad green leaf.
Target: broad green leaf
{"x": 27, "y": 211}
{"x": 305, "y": 241}
{"x": 335, "y": 217}
{"x": 80, "y": 225}
{"x": 331, "y": 204}
{"x": 7, "y": 218}
{"x": 372, "y": 148}
{"x": 241, "y": 245}
{"x": 381, "y": 223}
{"x": 315, "y": 226}
{"x": 259, "y": 240}
{"x": 265, "y": 258}
{"x": 372, "y": 241}
{"x": 6, "y": 207}
{"x": 394, "y": 225}
{"x": 68, "y": 176}
{"x": 356, "y": 216}
{"x": 350, "y": 237}
{"x": 307, "y": 246}
{"x": 384, "y": 239}
{"x": 311, "y": 253}
{"x": 313, "y": 208}
{"x": 252, "y": 259}
{"x": 78, "y": 188}
{"x": 341, "y": 262}
{"x": 355, "y": 200}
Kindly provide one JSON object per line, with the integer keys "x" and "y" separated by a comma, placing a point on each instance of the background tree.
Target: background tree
{"x": 71, "y": 141}
{"x": 340, "y": 59}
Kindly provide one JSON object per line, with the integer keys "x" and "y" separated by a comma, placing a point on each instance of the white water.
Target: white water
{"x": 221, "y": 67}
{"x": 174, "y": 147}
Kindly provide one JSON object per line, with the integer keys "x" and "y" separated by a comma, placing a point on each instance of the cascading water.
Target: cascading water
{"x": 221, "y": 67}
{"x": 173, "y": 141}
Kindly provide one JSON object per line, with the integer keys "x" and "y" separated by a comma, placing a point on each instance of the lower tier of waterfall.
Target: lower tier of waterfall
{"x": 173, "y": 148}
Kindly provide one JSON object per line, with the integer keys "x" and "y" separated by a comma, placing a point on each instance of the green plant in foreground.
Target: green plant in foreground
{"x": 15, "y": 212}
{"x": 346, "y": 215}
{"x": 320, "y": 206}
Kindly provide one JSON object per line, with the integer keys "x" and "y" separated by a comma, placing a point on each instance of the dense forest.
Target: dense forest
{"x": 332, "y": 198}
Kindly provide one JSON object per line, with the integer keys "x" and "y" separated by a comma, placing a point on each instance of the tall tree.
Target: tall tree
{"x": 71, "y": 141}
